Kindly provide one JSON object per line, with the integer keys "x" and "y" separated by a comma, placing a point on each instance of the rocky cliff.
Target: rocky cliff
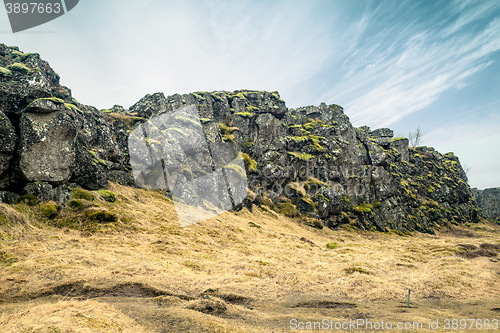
{"x": 308, "y": 161}
{"x": 489, "y": 201}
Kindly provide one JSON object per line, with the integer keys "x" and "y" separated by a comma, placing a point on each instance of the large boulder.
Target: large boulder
{"x": 8, "y": 140}
{"x": 46, "y": 149}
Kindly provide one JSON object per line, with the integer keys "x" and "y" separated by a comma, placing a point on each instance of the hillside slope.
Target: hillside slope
{"x": 68, "y": 271}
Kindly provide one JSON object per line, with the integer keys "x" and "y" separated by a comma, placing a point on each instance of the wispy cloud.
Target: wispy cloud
{"x": 408, "y": 65}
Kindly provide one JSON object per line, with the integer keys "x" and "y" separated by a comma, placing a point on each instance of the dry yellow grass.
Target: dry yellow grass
{"x": 238, "y": 272}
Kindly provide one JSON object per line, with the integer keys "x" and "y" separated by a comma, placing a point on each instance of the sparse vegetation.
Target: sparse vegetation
{"x": 132, "y": 255}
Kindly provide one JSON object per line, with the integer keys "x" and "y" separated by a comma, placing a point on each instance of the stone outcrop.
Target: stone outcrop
{"x": 307, "y": 161}
{"x": 8, "y": 140}
{"x": 46, "y": 146}
{"x": 489, "y": 201}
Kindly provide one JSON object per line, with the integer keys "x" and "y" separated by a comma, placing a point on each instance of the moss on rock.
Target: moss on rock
{"x": 107, "y": 195}
{"x": 79, "y": 193}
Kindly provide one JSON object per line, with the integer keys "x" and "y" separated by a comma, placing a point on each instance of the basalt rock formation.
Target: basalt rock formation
{"x": 308, "y": 161}
{"x": 489, "y": 201}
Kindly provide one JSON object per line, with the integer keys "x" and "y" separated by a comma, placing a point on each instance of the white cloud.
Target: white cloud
{"x": 383, "y": 83}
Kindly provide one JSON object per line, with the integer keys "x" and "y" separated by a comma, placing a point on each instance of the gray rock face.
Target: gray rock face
{"x": 383, "y": 132}
{"x": 45, "y": 192}
{"x": 28, "y": 78}
{"x": 46, "y": 148}
{"x": 307, "y": 161}
{"x": 8, "y": 140}
{"x": 150, "y": 105}
{"x": 489, "y": 201}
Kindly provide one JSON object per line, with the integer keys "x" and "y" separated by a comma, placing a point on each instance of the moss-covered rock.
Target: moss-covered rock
{"x": 100, "y": 215}
{"x": 107, "y": 195}
{"x": 49, "y": 209}
{"x": 80, "y": 193}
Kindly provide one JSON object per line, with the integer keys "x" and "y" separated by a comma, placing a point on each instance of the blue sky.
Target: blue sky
{"x": 397, "y": 64}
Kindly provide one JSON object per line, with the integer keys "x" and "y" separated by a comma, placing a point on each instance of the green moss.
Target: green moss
{"x": 239, "y": 95}
{"x": 228, "y": 137}
{"x": 19, "y": 67}
{"x": 287, "y": 208}
{"x": 249, "y": 143}
{"x": 5, "y": 72}
{"x": 177, "y": 130}
{"x": 79, "y": 193}
{"x": 251, "y": 109}
{"x": 53, "y": 99}
{"x": 346, "y": 199}
{"x": 236, "y": 168}
{"x": 397, "y": 139}
{"x": 296, "y": 139}
{"x": 188, "y": 121}
{"x": 313, "y": 123}
{"x": 301, "y": 156}
{"x": 205, "y": 120}
{"x": 102, "y": 162}
{"x": 244, "y": 114}
{"x": 107, "y": 195}
{"x": 332, "y": 245}
{"x": 75, "y": 203}
{"x": 28, "y": 199}
{"x": 49, "y": 209}
{"x": 431, "y": 189}
{"x": 363, "y": 208}
{"x": 71, "y": 107}
{"x": 101, "y": 215}
{"x": 93, "y": 153}
{"x": 315, "y": 139}
{"x": 225, "y": 129}
{"x": 250, "y": 164}
{"x": 309, "y": 202}
{"x": 198, "y": 96}
{"x": 376, "y": 204}
{"x": 17, "y": 53}
{"x": 404, "y": 183}
{"x": 321, "y": 196}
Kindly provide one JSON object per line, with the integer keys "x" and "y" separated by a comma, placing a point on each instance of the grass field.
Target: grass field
{"x": 238, "y": 272}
